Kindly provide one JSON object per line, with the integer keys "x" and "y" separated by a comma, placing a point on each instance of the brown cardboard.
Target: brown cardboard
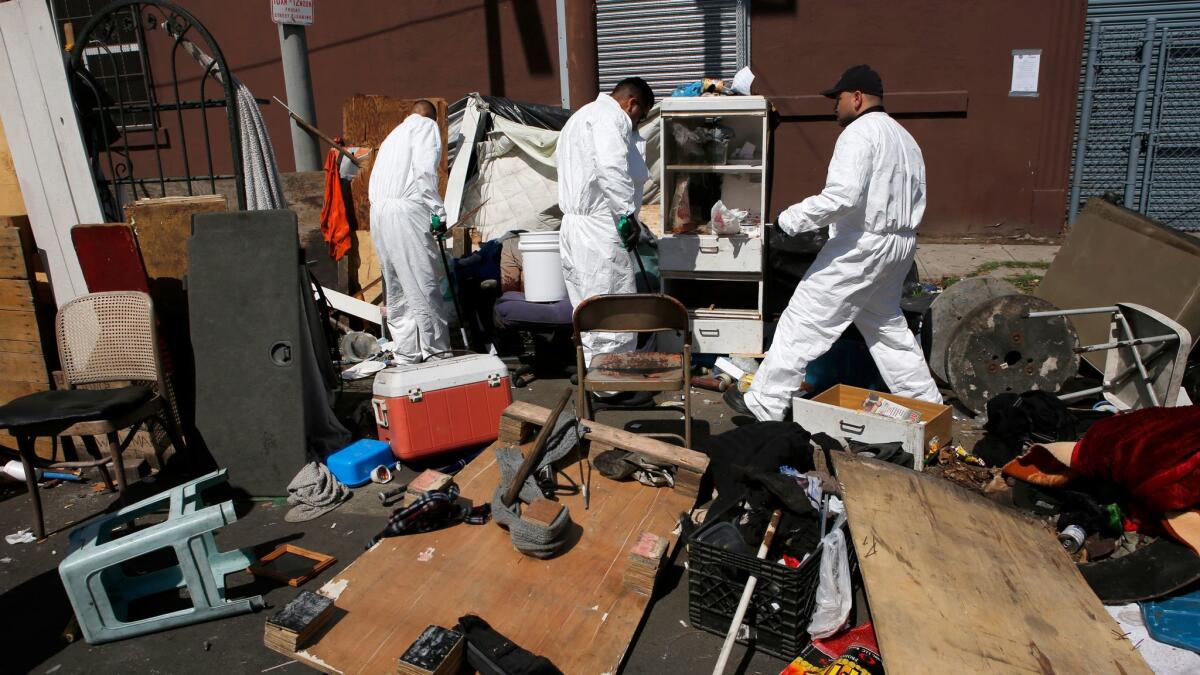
{"x": 1116, "y": 255}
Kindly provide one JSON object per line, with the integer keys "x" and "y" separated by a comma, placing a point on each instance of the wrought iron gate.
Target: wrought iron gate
{"x": 146, "y": 136}
{"x": 1138, "y": 132}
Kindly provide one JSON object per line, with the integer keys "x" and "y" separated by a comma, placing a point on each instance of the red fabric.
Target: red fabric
{"x": 1153, "y": 453}
{"x": 335, "y": 225}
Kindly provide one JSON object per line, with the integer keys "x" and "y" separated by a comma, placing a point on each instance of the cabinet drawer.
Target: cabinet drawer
{"x": 710, "y": 253}
{"x": 719, "y": 336}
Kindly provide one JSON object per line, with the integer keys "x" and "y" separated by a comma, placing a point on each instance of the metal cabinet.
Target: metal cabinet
{"x": 719, "y": 278}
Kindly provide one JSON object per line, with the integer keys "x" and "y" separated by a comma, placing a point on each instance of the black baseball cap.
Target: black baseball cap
{"x": 857, "y": 78}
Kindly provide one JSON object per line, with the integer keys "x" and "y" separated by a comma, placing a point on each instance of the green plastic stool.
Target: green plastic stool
{"x": 101, "y": 593}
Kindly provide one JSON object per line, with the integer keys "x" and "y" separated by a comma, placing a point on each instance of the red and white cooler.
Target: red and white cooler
{"x": 438, "y": 406}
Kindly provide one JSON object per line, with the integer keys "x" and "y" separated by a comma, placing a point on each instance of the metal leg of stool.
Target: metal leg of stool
{"x": 25, "y": 447}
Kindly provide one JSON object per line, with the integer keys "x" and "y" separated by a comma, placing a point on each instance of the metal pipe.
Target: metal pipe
{"x": 1126, "y": 343}
{"x": 293, "y": 46}
{"x": 1139, "y": 114}
{"x": 1085, "y": 115}
{"x": 1160, "y": 87}
{"x": 1082, "y": 393}
{"x": 564, "y": 77}
{"x": 1071, "y": 312}
{"x": 1137, "y": 358}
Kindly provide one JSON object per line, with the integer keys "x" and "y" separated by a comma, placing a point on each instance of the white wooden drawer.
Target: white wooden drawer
{"x": 710, "y": 253}
{"x": 719, "y": 336}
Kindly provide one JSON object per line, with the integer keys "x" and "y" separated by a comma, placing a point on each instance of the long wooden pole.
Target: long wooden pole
{"x": 740, "y": 614}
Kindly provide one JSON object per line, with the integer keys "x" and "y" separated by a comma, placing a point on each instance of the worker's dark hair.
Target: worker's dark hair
{"x": 425, "y": 109}
{"x": 635, "y": 87}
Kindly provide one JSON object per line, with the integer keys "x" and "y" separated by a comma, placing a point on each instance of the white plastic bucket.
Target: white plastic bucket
{"x": 541, "y": 266}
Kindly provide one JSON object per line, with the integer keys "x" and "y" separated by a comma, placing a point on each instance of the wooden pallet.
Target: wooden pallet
{"x": 23, "y": 367}
{"x": 573, "y": 609}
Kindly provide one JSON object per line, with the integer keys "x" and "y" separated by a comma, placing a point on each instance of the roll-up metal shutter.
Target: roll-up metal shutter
{"x": 670, "y": 42}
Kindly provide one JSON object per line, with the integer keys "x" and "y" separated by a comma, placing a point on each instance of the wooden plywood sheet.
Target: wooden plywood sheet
{"x": 163, "y": 225}
{"x": 367, "y": 119}
{"x": 573, "y": 609}
{"x": 1113, "y": 255}
{"x": 305, "y": 194}
{"x": 957, "y": 583}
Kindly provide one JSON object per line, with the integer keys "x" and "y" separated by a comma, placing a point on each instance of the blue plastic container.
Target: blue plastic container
{"x": 353, "y": 464}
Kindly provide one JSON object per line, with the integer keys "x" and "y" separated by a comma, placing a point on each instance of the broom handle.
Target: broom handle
{"x": 535, "y": 453}
{"x": 740, "y": 614}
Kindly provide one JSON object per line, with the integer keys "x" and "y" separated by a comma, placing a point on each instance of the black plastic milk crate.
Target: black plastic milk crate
{"x": 781, "y": 608}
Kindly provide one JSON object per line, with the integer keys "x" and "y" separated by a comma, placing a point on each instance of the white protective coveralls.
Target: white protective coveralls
{"x": 873, "y": 201}
{"x": 601, "y": 174}
{"x": 403, "y": 189}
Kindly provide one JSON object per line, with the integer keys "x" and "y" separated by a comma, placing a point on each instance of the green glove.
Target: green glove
{"x": 436, "y": 225}
{"x": 629, "y": 230}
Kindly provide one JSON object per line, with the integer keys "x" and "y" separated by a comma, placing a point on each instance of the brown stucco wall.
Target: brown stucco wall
{"x": 997, "y": 165}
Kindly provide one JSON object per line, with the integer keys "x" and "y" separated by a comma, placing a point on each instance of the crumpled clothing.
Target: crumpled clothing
{"x": 1154, "y": 453}
{"x": 313, "y": 493}
{"x": 335, "y": 223}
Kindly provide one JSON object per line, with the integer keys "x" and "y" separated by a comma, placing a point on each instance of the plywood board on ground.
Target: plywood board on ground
{"x": 957, "y": 583}
{"x": 367, "y": 119}
{"x": 572, "y": 609}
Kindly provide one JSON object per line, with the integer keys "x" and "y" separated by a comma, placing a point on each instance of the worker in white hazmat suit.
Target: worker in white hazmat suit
{"x": 873, "y": 201}
{"x": 404, "y": 196}
{"x": 601, "y": 174}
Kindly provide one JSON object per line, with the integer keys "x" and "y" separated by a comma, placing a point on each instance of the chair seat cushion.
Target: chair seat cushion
{"x": 514, "y": 311}
{"x": 637, "y": 368}
{"x": 72, "y": 405}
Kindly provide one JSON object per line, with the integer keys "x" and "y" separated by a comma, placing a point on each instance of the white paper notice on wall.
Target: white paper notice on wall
{"x": 1026, "y": 64}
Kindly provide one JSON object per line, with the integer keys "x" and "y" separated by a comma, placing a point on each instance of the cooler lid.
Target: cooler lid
{"x": 440, "y": 374}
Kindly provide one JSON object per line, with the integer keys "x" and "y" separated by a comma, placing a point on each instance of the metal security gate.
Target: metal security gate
{"x": 1138, "y": 132}
{"x": 670, "y": 42}
{"x": 151, "y": 134}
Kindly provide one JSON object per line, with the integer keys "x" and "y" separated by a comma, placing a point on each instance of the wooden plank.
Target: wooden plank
{"x": 957, "y": 583}
{"x": 16, "y": 294}
{"x": 10, "y": 389}
{"x": 367, "y": 119}
{"x": 364, "y": 265}
{"x": 23, "y": 367}
{"x": 17, "y": 250}
{"x": 20, "y": 347}
{"x": 573, "y": 609}
{"x": 11, "y": 203}
{"x": 618, "y": 438}
{"x": 44, "y": 135}
{"x": 22, "y": 326}
{"x": 305, "y": 194}
{"x": 163, "y": 225}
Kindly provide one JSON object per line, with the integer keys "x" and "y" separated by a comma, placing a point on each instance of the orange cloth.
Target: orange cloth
{"x": 335, "y": 226}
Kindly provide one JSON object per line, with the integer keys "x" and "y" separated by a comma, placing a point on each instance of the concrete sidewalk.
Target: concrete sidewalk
{"x": 937, "y": 261}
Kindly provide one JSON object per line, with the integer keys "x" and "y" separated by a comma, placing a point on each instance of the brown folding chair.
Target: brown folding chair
{"x": 634, "y": 371}
{"x": 103, "y": 339}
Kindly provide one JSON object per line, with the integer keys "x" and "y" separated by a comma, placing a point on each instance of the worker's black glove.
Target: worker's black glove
{"x": 629, "y": 230}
